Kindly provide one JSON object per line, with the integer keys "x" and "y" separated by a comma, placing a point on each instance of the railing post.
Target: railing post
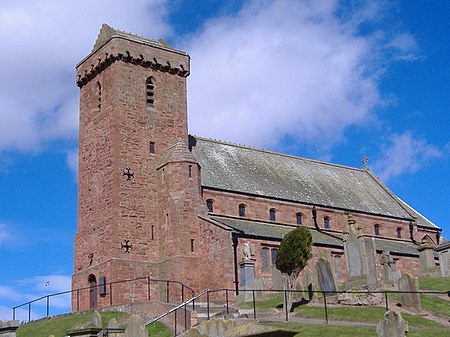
{"x": 48, "y": 305}
{"x": 226, "y": 296}
{"x": 175, "y": 327}
{"x": 182, "y": 292}
{"x": 148, "y": 287}
{"x": 325, "y": 303}
{"x": 185, "y": 318}
{"x": 29, "y": 312}
{"x": 167, "y": 291}
{"x": 14, "y": 314}
{"x": 286, "y": 306}
{"x": 254, "y": 304}
{"x": 207, "y": 303}
{"x": 78, "y": 300}
{"x": 110, "y": 294}
{"x": 386, "y": 301}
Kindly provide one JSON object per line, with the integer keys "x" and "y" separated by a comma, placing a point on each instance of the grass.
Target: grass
{"x": 434, "y": 283}
{"x": 435, "y": 304}
{"x": 276, "y": 301}
{"x": 310, "y": 330}
{"x": 58, "y": 326}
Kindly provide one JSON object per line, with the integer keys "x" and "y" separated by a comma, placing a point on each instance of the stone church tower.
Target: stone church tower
{"x": 138, "y": 183}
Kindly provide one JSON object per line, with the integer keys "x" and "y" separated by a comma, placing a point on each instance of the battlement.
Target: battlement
{"x": 114, "y": 45}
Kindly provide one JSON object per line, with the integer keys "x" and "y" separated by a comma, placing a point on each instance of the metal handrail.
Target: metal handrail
{"x": 176, "y": 308}
{"x": 86, "y": 288}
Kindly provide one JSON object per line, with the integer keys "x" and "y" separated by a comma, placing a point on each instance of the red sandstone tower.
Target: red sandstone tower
{"x": 138, "y": 183}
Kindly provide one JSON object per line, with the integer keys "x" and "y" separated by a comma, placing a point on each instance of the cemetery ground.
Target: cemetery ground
{"x": 307, "y": 319}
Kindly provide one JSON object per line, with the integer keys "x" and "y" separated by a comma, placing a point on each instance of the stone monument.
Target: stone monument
{"x": 393, "y": 325}
{"x": 410, "y": 299}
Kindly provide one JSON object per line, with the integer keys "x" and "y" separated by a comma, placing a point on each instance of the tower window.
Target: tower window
{"x": 190, "y": 171}
{"x": 399, "y": 232}
{"x": 99, "y": 95}
{"x": 299, "y": 218}
{"x": 242, "y": 210}
{"x": 151, "y": 147}
{"x": 272, "y": 214}
{"x": 210, "y": 205}
{"x": 150, "y": 92}
{"x": 376, "y": 230}
{"x": 326, "y": 222}
{"x": 153, "y": 232}
{"x": 192, "y": 245}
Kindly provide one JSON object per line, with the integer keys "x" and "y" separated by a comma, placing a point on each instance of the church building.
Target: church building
{"x": 154, "y": 201}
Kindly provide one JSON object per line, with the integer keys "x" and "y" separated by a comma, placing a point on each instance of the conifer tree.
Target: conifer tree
{"x": 295, "y": 250}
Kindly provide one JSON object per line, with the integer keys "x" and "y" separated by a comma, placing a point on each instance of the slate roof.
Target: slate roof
{"x": 176, "y": 152}
{"x": 237, "y": 168}
{"x": 271, "y": 231}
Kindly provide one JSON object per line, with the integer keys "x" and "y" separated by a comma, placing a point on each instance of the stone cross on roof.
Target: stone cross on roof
{"x": 364, "y": 160}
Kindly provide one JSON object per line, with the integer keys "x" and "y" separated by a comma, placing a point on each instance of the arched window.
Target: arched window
{"x": 150, "y": 86}
{"x": 272, "y": 214}
{"x": 299, "y": 217}
{"x": 273, "y": 254}
{"x": 99, "y": 95}
{"x": 210, "y": 205}
{"x": 242, "y": 210}
{"x": 376, "y": 230}
{"x": 326, "y": 222}
{"x": 399, "y": 232}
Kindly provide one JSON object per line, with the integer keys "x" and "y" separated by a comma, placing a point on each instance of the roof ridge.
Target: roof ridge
{"x": 277, "y": 153}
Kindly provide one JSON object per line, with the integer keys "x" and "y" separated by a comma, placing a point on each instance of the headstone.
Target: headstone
{"x": 393, "y": 325}
{"x": 410, "y": 299}
{"x": 444, "y": 262}
{"x": 426, "y": 257}
{"x": 8, "y": 328}
{"x": 370, "y": 257}
{"x": 325, "y": 275}
{"x": 353, "y": 252}
{"x": 91, "y": 329}
{"x": 135, "y": 328}
{"x": 391, "y": 274}
{"x": 259, "y": 285}
{"x": 113, "y": 328}
{"x": 277, "y": 279}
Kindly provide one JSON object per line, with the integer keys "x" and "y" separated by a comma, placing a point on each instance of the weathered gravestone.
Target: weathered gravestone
{"x": 393, "y": 325}
{"x": 277, "y": 279}
{"x": 325, "y": 275}
{"x": 8, "y": 328}
{"x": 390, "y": 272}
{"x": 135, "y": 328}
{"x": 409, "y": 298}
{"x": 91, "y": 329}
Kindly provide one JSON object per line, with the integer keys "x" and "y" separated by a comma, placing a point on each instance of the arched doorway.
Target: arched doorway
{"x": 92, "y": 291}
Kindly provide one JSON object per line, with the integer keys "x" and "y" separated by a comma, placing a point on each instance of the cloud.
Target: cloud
{"x": 72, "y": 161}
{"x": 42, "y": 41}
{"x": 404, "y": 154}
{"x": 291, "y": 69}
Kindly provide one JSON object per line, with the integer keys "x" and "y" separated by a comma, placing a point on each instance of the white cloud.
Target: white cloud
{"x": 72, "y": 161}
{"x": 42, "y": 41}
{"x": 404, "y": 154}
{"x": 286, "y": 68}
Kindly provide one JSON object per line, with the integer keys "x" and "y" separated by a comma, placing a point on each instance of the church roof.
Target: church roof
{"x": 241, "y": 169}
{"x": 271, "y": 231}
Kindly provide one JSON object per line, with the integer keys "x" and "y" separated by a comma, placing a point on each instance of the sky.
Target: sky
{"x": 323, "y": 79}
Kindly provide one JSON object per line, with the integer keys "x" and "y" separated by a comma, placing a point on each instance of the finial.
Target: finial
{"x": 364, "y": 160}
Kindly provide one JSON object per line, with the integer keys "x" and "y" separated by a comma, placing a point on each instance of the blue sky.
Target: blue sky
{"x": 320, "y": 79}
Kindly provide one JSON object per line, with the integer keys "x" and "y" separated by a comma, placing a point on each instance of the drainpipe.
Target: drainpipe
{"x": 234, "y": 239}
{"x": 411, "y": 231}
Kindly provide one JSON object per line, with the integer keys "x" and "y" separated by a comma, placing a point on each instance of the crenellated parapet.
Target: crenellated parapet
{"x": 116, "y": 46}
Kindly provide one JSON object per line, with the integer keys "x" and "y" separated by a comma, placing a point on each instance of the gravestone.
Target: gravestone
{"x": 135, "y": 328}
{"x": 390, "y": 271}
{"x": 277, "y": 279}
{"x": 393, "y": 325}
{"x": 8, "y": 328}
{"x": 325, "y": 275}
{"x": 91, "y": 329}
{"x": 371, "y": 263}
{"x": 410, "y": 300}
{"x": 426, "y": 257}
